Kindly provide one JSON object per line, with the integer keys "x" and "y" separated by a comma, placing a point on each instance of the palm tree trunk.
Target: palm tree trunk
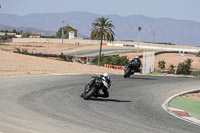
{"x": 99, "y": 59}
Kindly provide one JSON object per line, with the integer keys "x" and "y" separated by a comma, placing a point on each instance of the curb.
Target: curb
{"x": 181, "y": 114}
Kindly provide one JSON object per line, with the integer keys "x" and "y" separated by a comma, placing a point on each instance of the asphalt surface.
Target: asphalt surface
{"x": 51, "y": 104}
{"x": 96, "y": 52}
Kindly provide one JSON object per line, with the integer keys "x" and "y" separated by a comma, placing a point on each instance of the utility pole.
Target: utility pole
{"x": 139, "y": 29}
{"x": 63, "y": 31}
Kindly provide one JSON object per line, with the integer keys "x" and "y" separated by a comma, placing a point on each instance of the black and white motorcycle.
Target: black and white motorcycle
{"x": 96, "y": 84}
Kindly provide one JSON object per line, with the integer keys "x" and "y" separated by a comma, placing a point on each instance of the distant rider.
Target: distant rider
{"x": 136, "y": 63}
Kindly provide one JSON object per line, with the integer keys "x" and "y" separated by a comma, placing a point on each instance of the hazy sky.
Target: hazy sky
{"x": 177, "y": 9}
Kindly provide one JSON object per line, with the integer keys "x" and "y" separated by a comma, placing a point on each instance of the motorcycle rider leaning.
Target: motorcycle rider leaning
{"x": 136, "y": 63}
{"x": 104, "y": 77}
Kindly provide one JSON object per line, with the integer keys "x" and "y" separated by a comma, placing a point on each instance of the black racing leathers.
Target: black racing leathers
{"x": 136, "y": 64}
{"x": 104, "y": 89}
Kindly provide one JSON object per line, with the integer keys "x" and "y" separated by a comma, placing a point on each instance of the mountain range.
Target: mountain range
{"x": 164, "y": 30}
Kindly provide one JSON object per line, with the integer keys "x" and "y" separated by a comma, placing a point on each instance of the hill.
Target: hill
{"x": 180, "y": 32}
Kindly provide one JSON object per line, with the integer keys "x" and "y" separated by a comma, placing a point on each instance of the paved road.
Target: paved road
{"x": 51, "y": 104}
{"x": 96, "y": 52}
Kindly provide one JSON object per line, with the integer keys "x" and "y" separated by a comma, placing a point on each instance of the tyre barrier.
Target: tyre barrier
{"x": 114, "y": 66}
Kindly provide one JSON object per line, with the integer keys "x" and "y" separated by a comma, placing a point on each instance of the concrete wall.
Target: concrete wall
{"x": 50, "y": 40}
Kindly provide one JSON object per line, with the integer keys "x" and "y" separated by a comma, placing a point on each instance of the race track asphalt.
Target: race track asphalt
{"x": 96, "y": 52}
{"x": 52, "y": 104}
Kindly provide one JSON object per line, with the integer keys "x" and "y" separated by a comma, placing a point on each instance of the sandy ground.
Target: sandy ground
{"x": 194, "y": 96}
{"x": 47, "y": 48}
{"x": 18, "y": 64}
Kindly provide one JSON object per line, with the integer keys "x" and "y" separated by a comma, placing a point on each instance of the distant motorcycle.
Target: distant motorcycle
{"x": 132, "y": 67}
{"x": 92, "y": 89}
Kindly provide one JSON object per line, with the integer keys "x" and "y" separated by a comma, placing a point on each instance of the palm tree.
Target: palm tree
{"x": 102, "y": 30}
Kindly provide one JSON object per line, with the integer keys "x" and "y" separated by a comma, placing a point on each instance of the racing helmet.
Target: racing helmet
{"x": 106, "y": 80}
{"x": 106, "y": 75}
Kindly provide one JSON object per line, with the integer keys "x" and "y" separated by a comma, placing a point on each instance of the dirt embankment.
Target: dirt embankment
{"x": 18, "y": 64}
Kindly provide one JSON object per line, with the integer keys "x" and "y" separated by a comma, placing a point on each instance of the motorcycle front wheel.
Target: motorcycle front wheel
{"x": 127, "y": 72}
{"x": 89, "y": 93}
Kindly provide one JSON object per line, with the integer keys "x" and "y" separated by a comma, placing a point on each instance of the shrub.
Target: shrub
{"x": 112, "y": 60}
{"x": 171, "y": 69}
{"x": 198, "y": 54}
{"x": 63, "y": 57}
{"x": 122, "y": 61}
{"x": 161, "y": 64}
{"x": 24, "y": 51}
{"x": 17, "y": 50}
{"x": 185, "y": 67}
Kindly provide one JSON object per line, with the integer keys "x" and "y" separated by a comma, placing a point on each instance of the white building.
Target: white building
{"x": 71, "y": 35}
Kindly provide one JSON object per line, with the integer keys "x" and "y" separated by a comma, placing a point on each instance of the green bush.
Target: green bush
{"x": 171, "y": 69}
{"x": 112, "y": 60}
{"x": 198, "y": 54}
{"x": 63, "y": 57}
{"x": 161, "y": 64}
{"x": 122, "y": 61}
{"x": 185, "y": 67}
